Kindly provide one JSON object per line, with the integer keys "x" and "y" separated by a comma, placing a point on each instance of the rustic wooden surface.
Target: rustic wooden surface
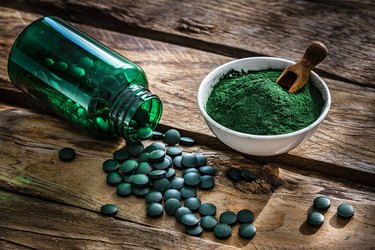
{"x": 45, "y": 203}
{"x": 280, "y": 198}
{"x": 241, "y": 28}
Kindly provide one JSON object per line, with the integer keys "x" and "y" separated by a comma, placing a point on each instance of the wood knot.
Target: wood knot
{"x": 267, "y": 181}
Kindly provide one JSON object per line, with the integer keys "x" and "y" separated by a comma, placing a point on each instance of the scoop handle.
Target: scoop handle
{"x": 314, "y": 54}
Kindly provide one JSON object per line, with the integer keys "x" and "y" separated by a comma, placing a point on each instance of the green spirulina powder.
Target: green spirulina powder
{"x": 253, "y": 103}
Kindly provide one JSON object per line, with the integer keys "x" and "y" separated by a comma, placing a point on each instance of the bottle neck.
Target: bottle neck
{"x": 126, "y": 104}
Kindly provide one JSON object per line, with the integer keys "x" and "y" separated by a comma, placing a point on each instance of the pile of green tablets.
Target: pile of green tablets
{"x": 150, "y": 172}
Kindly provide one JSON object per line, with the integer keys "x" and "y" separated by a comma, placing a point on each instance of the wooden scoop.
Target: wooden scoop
{"x": 296, "y": 76}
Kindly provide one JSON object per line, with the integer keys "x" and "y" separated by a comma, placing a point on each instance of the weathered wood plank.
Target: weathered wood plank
{"x": 280, "y": 197}
{"x": 240, "y": 28}
{"x": 57, "y": 226}
{"x": 341, "y": 147}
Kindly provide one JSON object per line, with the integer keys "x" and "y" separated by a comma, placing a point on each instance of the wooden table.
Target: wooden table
{"x": 48, "y": 204}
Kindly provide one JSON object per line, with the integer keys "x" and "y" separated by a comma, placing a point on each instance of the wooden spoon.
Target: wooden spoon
{"x": 296, "y": 76}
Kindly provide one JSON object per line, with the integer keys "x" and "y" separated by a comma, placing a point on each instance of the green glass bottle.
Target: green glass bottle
{"x": 83, "y": 81}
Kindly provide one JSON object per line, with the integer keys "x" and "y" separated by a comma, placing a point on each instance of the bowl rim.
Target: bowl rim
{"x": 218, "y": 71}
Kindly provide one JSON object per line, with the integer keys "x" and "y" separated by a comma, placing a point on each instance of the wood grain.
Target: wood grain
{"x": 51, "y": 225}
{"x": 341, "y": 147}
{"x": 280, "y": 197}
{"x": 239, "y": 28}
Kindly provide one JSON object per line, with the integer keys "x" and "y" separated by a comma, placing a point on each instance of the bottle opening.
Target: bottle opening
{"x": 145, "y": 120}
{"x": 136, "y": 113}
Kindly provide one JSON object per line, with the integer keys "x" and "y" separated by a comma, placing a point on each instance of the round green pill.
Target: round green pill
{"x": 157, "y": 155}
{"x": 181, "y": 211}
{"x": 135, "y": 148}
{"x": 177, "y": 162}
{"x": 128, "y": 167}
{"x": 170, "y": 173}
{"x": 141, "y": 191}
{"x": 144, "y": 157}
{"x": 193, "y": 203}
{"x": 60, "y": 66}
{"x": 322, "y": 202}
{"x": 222, "y": 231}
{"x": 190, "y": 220}
{"x": 315, "y": 218}
{"x": 110, "y": 165}
{"x": 174, "y": 151}
{"x": 207, "y": 182}
{"x": 144, "y": 133}
{"x": 171, "y": 206}
{"x": 162, "y": 164}
{"x": 247, "y": 230}
{"x": 143, "y": 168}
{"x": 101, "y": 123}
{"x": 157, "y": 174}
{"x": 121, "y": 154}
{"x": 140, "y": 180}
{"x": 67, "y": 154}
{"x": 124, "y": 189}
{"x": 194, "y": 231}
{"x": 113, "y": 178}
{"x": 86, "y": 62}
{"x": 154, "y": 210}
{"x": 207, "y": 170}
{"x": 172, "y": 193}
{"x": 233, "y": 174}
{"x": 192, "y": 179}
{"x": 187, "y": 141}
{"x": 188, "y": 192}
{"x": 48, "y": 62}
{"x": 189, "y": 161}
{"x": 201, "y": 159}
{"x": 207, "y": 209}
{"x": 247, "y": 175}
{"x": 245, "y": 216}
{"x": 158, "y": 145}
{"x": 172, "y": 137}
{"x": 157, "y": 135}
{"x": 154, "y": 196}
{"x": 77, "y": 71}
{"x": 189, "y": 170}
{"x": 345, "y": 211}
{"x": 208, "y": 222}
{"x": 228, "y": 217}
{"x": 81, "y": 112}
{"x": 162, "y": 185}
{"x": 109, "y": 209}
{"x": 177, "y": 183}
{"x": 142, "y": 117}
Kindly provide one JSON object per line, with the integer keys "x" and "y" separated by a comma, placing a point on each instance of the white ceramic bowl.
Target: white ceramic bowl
{"x": 260, "y": 145}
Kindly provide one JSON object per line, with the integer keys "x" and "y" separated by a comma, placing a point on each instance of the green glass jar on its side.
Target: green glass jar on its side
{"x": 80, "y": 79}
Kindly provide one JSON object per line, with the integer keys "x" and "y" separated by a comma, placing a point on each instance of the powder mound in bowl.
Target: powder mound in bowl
{"x": 253, "y": 103}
